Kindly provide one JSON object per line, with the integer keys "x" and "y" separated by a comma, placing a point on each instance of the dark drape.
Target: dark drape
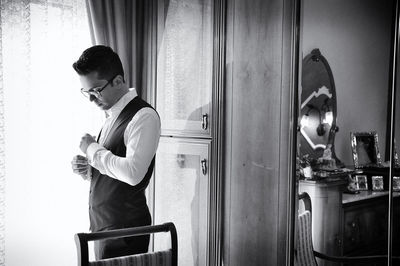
{"x": 126, "y": 26}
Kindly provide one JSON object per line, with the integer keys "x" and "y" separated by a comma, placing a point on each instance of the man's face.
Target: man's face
{"x": 105, "y": 99}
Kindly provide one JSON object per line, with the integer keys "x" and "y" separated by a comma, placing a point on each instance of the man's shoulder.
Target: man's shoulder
{"x": 139, "y": 102}
{"x": 146, "y": 116}
{"x": 144, "y": 111}
{"x": 148, "y": 111}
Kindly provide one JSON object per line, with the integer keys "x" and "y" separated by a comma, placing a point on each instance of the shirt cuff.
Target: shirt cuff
{"x": 91, "y": 151}
{"x": 89, "y": 173}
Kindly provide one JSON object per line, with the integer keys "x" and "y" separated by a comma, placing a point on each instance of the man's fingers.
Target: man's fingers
{"x": 80, "y": 162}
{"x": 80, "y": 171}
{"x": 79, "y": 157}
{"x": 85, "y": 177}
{"x": 80, "y": 165}
{"x": 77, "y": 167}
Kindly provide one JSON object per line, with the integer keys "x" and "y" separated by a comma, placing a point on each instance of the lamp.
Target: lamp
{"x": 306, "y": 122}
{"x": 328, "y": 114}
{"x": 328, "y": 118}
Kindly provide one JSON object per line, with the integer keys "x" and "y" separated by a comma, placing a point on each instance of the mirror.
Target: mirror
{"x": 318, "y": 111}
{"x": 345, "y": 71}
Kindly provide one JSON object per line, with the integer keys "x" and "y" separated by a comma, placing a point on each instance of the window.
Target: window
{"x": 44, "y": 117}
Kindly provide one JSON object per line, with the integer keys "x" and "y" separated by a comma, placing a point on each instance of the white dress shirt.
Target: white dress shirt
{"x": 141, "y": 139}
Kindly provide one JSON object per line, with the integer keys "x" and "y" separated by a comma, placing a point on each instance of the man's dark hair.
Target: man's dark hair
{"x": 101, "y": 59}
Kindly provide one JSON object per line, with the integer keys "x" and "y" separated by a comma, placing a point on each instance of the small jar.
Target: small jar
{"x": 307, "y": 172}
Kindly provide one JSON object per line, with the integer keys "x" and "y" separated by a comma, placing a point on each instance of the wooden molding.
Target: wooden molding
{"x": 217, "y": 134}
{"x": 290, "y": 65}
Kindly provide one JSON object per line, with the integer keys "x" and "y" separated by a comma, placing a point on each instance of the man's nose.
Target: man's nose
{"x": 92, "y": 98}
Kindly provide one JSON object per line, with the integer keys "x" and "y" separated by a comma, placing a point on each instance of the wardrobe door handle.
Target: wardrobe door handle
{"x": 204, "y": 166}
{"x": 204, "y": 122}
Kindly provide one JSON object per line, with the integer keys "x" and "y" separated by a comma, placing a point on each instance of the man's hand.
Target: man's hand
{"x": 80, "y": 166}
{"x": 85, "y": 142}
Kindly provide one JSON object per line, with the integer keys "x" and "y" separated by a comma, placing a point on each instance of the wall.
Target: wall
{"x": 354, "y": 36}
{"x": 257, "y": 128}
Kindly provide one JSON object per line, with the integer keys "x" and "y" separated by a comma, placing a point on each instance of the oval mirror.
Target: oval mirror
{"x": 318, "y": 107}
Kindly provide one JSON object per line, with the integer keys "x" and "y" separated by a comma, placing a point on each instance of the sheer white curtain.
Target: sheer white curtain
{"x": 42, "y": 117}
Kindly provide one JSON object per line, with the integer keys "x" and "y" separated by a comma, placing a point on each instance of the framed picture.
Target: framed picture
{"x": 396, "y": 183}
{"x": 364, "y": 146}
{"x": 361, "y": 182}
{"x": 377, "y": 183}
{"x": 395, "y": 156}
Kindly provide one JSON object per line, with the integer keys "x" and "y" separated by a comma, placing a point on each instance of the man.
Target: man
{"x": 120, "y": 163}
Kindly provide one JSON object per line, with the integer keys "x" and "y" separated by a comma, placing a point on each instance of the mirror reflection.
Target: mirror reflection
{"x": 318, "y": 112}
{"x": 344, "y": 128}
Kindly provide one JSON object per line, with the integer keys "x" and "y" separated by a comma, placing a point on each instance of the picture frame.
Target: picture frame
{"x": 396, "y": 183}
{"x": 365, "y": 149}
{"x": 395, "y": 156}
{"x": 361, "y": 182}
{"x": 377, "y": 183}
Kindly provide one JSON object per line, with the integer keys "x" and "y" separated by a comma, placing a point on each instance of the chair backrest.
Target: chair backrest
{"x": 304, "y": 255}
{"x": 160, "y": 258}
{"x": 305, "y": 252}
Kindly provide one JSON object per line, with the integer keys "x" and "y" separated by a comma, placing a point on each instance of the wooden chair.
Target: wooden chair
{"x": 305, "y": 254}
{"x": 165, "y": 258}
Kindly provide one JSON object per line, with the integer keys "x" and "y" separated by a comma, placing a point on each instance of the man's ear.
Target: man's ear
{"x": 118, "y": 80}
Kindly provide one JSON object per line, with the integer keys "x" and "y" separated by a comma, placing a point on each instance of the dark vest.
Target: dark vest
{"x": 112, "y": 203}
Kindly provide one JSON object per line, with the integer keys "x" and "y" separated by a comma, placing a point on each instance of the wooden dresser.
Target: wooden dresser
{"x": 365, "y": 222}
{"x": 350, "y": 224}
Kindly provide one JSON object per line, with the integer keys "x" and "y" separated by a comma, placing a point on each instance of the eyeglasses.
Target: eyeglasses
{"x": 96, "y": 91}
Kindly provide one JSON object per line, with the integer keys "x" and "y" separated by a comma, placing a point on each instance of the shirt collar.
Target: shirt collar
{"x": 122, "y": 102}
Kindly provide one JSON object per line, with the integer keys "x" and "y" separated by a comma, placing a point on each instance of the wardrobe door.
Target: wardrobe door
{"x": 352, "y": 171}
{"x": 395, "y": 178}
{"x": 181, "y": 196}
{"x": 184, "y": 66}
